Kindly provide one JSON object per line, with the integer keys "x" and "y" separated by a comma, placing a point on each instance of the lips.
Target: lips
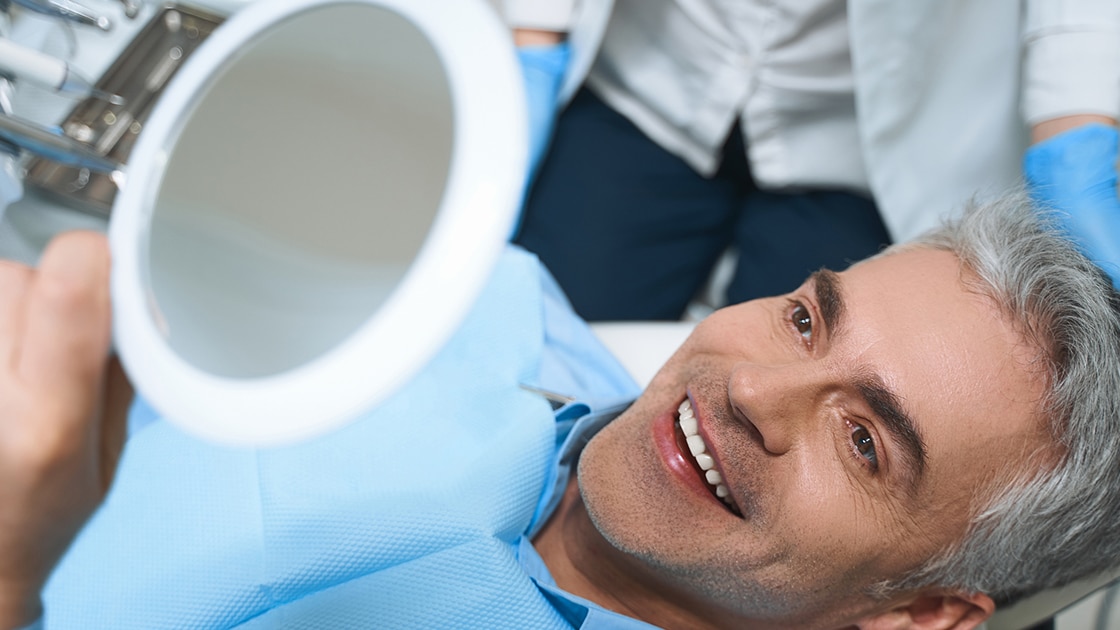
{"x": 696, "y": 451}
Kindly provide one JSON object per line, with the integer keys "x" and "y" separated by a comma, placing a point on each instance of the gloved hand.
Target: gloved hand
{"x": 543, "y": 69}
{"x": 1075, "y": 173}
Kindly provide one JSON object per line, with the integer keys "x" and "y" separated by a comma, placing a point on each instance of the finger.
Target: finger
{"x": 14, "y": 279}
{"x": 114, "y": 420}
{"x": 67, "y": 321}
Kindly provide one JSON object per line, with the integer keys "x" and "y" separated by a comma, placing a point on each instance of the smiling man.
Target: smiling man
{"x": 876, "y": 448}
{"x": 798, "y": 450}
{"x": 906, "y": 443}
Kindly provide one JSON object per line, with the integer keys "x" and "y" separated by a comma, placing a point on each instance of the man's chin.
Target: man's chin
{"x": 709, "y": 586}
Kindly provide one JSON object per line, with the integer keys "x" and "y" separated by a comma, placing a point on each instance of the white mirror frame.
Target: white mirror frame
{"x": 479, "y": 208}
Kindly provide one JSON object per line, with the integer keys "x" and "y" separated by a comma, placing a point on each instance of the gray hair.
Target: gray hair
{"x": 1060, "y": 521}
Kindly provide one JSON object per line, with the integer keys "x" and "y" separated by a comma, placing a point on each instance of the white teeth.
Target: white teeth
{"x": 689, "y": 425}
{"x": 691, "y": 429}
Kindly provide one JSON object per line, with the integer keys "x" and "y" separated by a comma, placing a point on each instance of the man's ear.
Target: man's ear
{"x": 934, "y": 611}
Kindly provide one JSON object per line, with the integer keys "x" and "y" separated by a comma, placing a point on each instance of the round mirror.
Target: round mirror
{"x": 314, "y": 205}
{"x": 299, "y": 190}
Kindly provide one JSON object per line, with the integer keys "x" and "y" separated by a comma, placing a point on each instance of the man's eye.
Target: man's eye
{"x": 802, "y": 321}
{"x": 865, "y": 445}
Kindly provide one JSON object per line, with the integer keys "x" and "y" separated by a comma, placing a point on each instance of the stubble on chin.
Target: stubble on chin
{"x": 656, "y": 541}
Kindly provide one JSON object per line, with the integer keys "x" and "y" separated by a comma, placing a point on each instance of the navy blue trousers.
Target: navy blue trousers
{"x": 631, "y": 232}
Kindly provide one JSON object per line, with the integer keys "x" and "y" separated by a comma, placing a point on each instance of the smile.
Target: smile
{"x": 703, "y": 460}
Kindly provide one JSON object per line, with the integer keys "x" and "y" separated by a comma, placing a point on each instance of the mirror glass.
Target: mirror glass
{"x": 300, "y": 188}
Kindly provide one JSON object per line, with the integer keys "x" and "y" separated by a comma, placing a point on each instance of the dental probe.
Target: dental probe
{"x": 53, "y": 145}
{"x": 28, "y": 64}
{"x": 555, "y": 400}
{"x": 68, "y": 10}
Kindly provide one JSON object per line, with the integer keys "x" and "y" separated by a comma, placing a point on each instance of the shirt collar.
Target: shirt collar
{"x": 576, "y": 424}
{"x": 581, "y": 613}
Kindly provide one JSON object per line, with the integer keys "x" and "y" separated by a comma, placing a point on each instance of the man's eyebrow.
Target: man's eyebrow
{"x": 884, "y": 403}
{"x": 829, "y": 297}
{"x": 887, "y": 406}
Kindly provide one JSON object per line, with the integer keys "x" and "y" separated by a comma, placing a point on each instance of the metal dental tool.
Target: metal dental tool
{"x": 67, "y": 10}
{"x": 27, "y": 64}
{"x": 555, "y": 400}
{"x": 131, "y": 9}
{"x": 53, "y": 145}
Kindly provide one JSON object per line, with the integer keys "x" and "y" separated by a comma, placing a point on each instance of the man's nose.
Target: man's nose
{"x": 777, "y": 400}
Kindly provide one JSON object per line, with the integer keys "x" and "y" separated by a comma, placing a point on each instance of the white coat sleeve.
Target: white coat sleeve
{"x": 545, "y": 15}
{"x": 1071, "y": 58}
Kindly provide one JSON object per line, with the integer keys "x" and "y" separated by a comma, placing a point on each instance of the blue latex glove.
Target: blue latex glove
{"x": 1075, "y": 173}
{"x": 543, "y": 68}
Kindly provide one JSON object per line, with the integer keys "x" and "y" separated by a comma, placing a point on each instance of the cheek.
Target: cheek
{"x": 734, "y": 328}
{"x": 830, "y": 525}
{"x": 821, "y": 510}
{"x": 848, "y": 535}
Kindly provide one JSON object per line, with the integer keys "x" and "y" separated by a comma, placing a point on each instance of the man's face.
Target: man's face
{"x": 853, "y": 423}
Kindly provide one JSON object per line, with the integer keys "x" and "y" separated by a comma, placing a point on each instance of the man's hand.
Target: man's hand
{"x": 58, "y": 442}
{"x": 1073, "y": 169}
{"x": 544, "y": 59}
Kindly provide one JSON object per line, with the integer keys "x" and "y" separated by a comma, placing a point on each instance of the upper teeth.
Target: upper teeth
{"x": 699, "y": 450}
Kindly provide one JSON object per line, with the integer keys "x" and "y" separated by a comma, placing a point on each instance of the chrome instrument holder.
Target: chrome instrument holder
{"x": 139, "y": 76}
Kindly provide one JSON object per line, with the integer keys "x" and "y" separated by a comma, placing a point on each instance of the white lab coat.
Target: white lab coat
{"x": 945, "y": 89}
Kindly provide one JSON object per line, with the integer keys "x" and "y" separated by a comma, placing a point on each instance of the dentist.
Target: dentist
{"x": 919, "y": 105}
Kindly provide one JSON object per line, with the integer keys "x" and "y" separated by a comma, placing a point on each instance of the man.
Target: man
{"x": 908, "y": 443}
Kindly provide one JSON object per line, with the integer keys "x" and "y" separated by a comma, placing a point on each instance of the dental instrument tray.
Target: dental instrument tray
{"x": 139, "y": 75}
